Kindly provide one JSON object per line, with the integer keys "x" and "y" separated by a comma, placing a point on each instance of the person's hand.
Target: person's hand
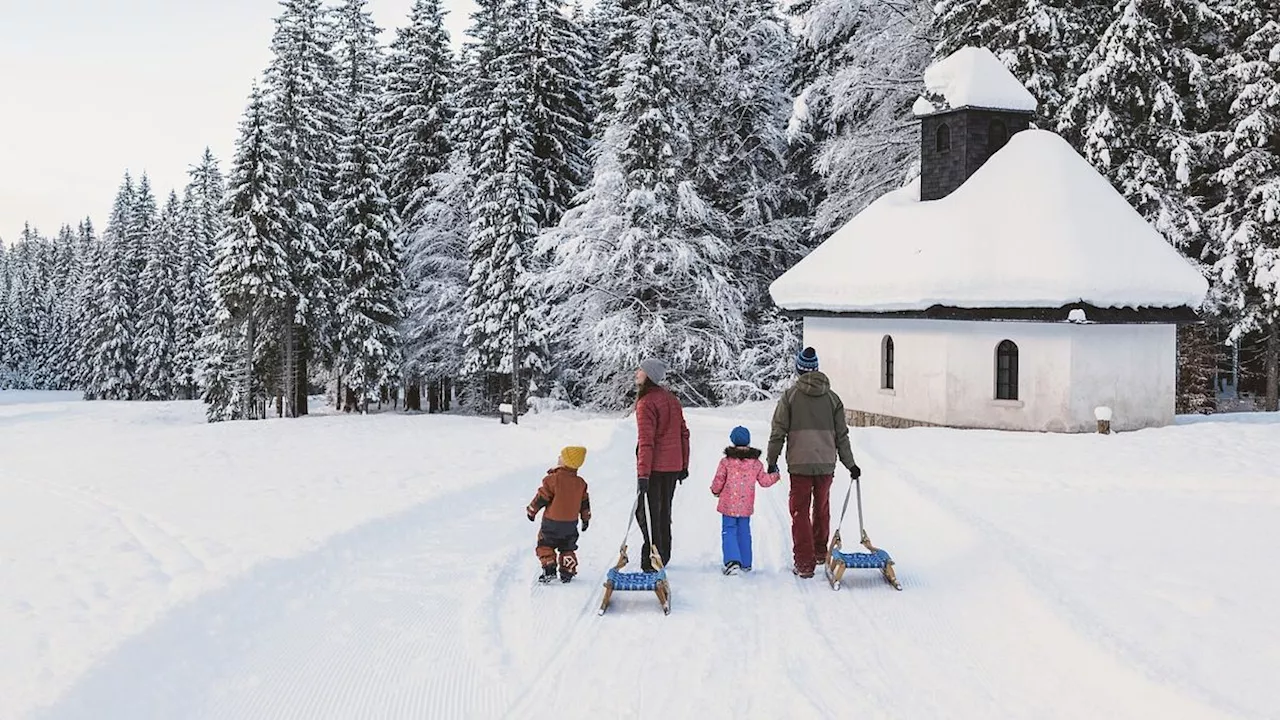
{"x": 684, "y": 475}
{"x": 773, "y": 469}
{"x": 642, "y": 485}
{"x": 585, "y": 523}
{"x": 530, "y": 514}
{"x": 855, "y": 472}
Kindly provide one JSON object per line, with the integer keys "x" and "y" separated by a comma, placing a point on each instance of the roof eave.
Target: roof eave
{"x": 949, "y": 111}
{"x": 1182, "y": 315}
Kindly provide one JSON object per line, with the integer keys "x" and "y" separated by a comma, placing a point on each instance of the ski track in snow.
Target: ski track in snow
{"x": 434, "y": 612}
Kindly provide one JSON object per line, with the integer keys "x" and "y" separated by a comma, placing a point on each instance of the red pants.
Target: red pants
{"x": 810, "y": 519}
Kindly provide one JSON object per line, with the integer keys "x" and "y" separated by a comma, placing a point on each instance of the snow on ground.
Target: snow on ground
{"x": 152, "y": 566}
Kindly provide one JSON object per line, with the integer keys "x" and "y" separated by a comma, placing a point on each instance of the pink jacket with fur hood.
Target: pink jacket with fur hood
{"x": 736, "y": 479}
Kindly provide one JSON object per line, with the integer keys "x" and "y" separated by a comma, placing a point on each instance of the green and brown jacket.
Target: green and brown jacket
{"x": 810, "y": 420}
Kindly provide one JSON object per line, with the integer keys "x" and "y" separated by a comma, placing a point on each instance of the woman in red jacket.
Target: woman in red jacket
{"x": 662, "y": 456}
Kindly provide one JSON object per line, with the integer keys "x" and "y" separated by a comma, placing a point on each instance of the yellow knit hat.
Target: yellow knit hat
{"x": 573, "y": 457}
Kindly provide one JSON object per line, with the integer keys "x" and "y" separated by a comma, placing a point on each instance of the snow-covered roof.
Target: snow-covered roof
{"x": 974, "y": 77}
{"x": 1034, "y": 227}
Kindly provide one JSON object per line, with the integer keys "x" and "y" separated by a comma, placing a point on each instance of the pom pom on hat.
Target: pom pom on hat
{"x": 807, "y": 360}
{"x": 740, "y": 437}
{"x": 573, "y": 457}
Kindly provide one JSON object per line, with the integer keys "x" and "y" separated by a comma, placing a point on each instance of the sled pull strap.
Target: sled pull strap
{"x": 631, "y": 519}
{"x": 845, "y": 508}
{"x": 861, "y": 530}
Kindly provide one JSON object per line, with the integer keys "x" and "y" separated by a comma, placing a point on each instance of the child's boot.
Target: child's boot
{"x": 548, "y": 574}
{"x": 568, "y": 566}
{"x": 732, "y": 567}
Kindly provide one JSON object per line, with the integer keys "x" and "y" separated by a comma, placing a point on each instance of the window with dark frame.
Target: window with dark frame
{"x": 886, "y": 363}
{"x": 944, "y": 138}
{"x": 1006, "y": 370}
{"x": 997, "y": 135}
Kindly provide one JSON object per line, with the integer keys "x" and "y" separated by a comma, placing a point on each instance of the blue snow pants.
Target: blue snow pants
{"x": 735, "y": 540}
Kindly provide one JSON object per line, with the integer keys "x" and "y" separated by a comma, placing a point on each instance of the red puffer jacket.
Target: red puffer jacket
{"x": 663, "y": 436}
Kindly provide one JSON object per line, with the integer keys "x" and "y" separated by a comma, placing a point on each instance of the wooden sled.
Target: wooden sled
{"x": 655, "y": 581}
{"x": 838, "y": 561}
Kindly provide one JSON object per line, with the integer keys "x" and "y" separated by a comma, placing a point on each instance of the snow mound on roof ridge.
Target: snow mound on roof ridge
{"x": 1036, "y": 226}
{"x": 974, "y": 77}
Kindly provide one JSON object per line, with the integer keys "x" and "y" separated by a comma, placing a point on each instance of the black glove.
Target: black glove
{"x": 531, "y": 515}
{"x": 684, "y": 475}
{"x": 642, "y": 485}
{"x": 855, "y": 472}
{"x": 773, "y": 469}
{"x": 585, "y": 523}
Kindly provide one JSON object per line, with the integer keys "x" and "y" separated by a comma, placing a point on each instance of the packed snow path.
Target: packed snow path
{"x": 434, "y": 612}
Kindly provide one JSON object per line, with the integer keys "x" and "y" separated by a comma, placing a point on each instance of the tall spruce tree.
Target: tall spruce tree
{"x": 370, "y": 308}
{"x": 1247, "y": 222}
{"x": 88, "y": 305}
{"x": 6, "y": 321}
{"x": 640, "y": 270}
{"x": 417, "y": 110}
{"x": 301, "y": 84}
{"x": 1138, "y": 111}
{"x": 251, "y": 274}
{"x": 158, "y": 321}
{"x": 738, "y": 60}
{"x": 201, "y": 220}
{"x": 500, "y": 336}
{"x": 555, "y": 60}
{"x": 112, "y": 364}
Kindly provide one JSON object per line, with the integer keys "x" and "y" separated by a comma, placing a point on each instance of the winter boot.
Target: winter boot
{"x": 548, "y": 574}
{"x": 732, "y": 567}
{"x": 806, "y": 574}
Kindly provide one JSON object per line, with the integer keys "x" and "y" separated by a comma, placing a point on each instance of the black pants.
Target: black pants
{"x": 662, "y": 489}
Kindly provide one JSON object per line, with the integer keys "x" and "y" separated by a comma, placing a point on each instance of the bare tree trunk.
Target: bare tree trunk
{"x": 290, "y": 353}
{"x": 413, "y": 397}
{"x": 301, "y": 383}
{"x": 1273, "y": 367}
{"x": 246, "y": 382}
{"x": 337, "y": 396}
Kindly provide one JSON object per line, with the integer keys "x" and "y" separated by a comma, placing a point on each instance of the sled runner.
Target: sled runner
{"x": 838, "y": 561}
{"x": 655, "y": 581}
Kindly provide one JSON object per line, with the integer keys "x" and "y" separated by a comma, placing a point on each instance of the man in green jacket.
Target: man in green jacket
{"x": 810, "y": 420}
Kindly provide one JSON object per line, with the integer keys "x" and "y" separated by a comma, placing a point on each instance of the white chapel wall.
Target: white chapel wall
{"x": 1129, "y": 368}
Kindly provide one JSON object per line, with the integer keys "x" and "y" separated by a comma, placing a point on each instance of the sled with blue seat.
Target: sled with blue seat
{"x": 838, "y": 561}
{"x": 655, "y": 581}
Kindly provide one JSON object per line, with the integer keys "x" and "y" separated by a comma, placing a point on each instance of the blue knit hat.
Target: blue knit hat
{"x": 740, "y": 437}
{"x": 807, "y": 361}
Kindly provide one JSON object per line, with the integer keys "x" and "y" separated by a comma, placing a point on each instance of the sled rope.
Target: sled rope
{"x": 845, "y": 508}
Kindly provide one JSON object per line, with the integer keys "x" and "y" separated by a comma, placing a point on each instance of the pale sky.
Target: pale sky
{"x": 91, "y": 88}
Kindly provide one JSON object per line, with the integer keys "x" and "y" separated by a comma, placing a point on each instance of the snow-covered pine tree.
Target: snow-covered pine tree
{"x": 357, "y": 56}
{"x": 251, "y": 275}
{"x": 158, "y": 319}
{"x": 1044, "y": 43}
{"x": 6, "y": 325}
{"x": 200, "y": 221}
{"x": 301, "y": 84}
{"x": 111, "y": 365}
{"x": 555, "y": 61}
{"x": 1137, "y": 111}
{"x": 428, "y": 193}
{"x": 861, "y": 67}
{"x": 363, "y": 230}
{"x": 61, "y": 299}
{"x": 24, "y": 310}
{"x": 90, "y": 279}
{"x": 1247, "y": 222}
{"x": 738, "y": 59}
{"x": 639, "y": 269}
{"x": 416, "y": 110}
{"x": 611, "y": 36}
{"x": 436, "y": 276}
{"x": 500, "y": 332}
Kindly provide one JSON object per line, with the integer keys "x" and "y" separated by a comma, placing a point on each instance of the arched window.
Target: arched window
{"x": 997, "y": 135}
{"x": 886, "y": 363}
{"x": 1006, "y": 370}
{"x": 944, "y": 138}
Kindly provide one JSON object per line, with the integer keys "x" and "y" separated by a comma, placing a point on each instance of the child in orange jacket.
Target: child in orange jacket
{"x": 563, "y": 499}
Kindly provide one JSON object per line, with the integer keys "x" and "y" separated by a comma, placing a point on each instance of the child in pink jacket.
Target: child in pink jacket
{"x": 735, "y": 485}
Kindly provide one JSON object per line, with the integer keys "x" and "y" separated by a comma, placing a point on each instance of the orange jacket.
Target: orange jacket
{"x": 563, "y": 495}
